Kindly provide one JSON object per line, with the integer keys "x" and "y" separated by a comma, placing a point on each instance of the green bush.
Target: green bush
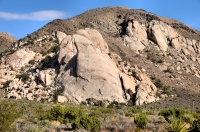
{"x": 6, "y": 84}
{"x": 196, "y": 125}
{"x": 9, "y": 112}
{"x": 154, "y": 58}
{"x": 158, "y": 83}
{"x": 24, "y": 77}
{"x": 76, "y": 116}
{"x": 73, "y": 113}
{"x": 132, "y": 111}
{"x": 50, "y": 39}
{"x": 102, "y": 112}
{"x": 30, "y": 41}
{"x": 94, "y": 102}
{"x": 177, "y": 112}
{"x": 89, "y": 123}
{"x": 58, "y": 91}
{"x": 116, "y": 105}
{"x": 57, "y": 113}
{"x": 53, "y": 49}
{"x": 32, "y": 62}
{"x": 188, "y": 117}
{"x": 175, "y": 125}
{"x": 141, "y": 120}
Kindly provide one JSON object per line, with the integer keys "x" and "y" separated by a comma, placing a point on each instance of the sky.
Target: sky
{"x": 21, "y": 17}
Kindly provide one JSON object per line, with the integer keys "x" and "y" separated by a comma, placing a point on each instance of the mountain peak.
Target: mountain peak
{"x": 139, "y": 45}
{"x": 6, "y": 40}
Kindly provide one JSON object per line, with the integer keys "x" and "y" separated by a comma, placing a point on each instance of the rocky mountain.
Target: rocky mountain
{"x": 106, "y": 54}
{"x": 6, "y": 41}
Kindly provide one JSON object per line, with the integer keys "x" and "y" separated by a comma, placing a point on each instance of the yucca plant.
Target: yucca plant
{"x": 175, "y": 124}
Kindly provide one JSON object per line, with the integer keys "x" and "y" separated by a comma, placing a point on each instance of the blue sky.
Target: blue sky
{"x": 22, "y": 17}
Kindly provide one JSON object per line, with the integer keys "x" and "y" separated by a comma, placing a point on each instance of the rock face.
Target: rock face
{"x": 60, "y": 35}
{"x": 20, "y": 58}
{"x": 161, "y": 34}
{"x": 88, "y": 74}
{"x": 136, "y": 37}
{"x": 45, "y": 77}
{"x": 87, "y": 71}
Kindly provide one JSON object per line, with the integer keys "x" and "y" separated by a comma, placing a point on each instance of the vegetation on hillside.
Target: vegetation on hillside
{"x": 34, "y": 116}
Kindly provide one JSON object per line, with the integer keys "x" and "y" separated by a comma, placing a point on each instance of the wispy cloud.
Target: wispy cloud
{"x": 37, "y": 16}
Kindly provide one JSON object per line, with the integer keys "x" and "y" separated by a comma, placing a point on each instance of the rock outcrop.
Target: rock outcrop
{"x": 161, "y": 34}
{"x": 20, "y": 58}
{"x": 136, "y": 37}
{"x": 87, "y": 71}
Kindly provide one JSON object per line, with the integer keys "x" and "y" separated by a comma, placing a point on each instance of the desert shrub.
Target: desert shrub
{"x": 166, "y": 90}
{"x": 30, "y": 41}
{"x": 196, "y": 115}
{"x": 134, "y": 73}
{"x": 22, "y": 69}
{"x": 176, "y": 112}
{"x": 43, "y": 53}
{"x": 32, "y": 62}
{"x": 53, "y": 49}
{"x": 9, "y": 112}
{"x": 103, "y": 112}
{"x": 100, "y": 103}
{"x": 6, "y": 84}
{"x": 198, "y": 110}
{"x": 135, "y": 110}
{"x": 76, "y": 116}
{"x": 83, "y": 103}
{"x": 116, "y": 105}
{"x": 196, "y": 125}
{"x": 132, "y": 111}
{"x": 58, "y": 91}
{"x": 89, "y": 123}
{"x": 168, "y": 70}
{"x": 50, "y": 39}
{"x": 39, "y": 126}
{"x": 158, "y": 83}
{"x": 24, "y": 77}
{"x": 94, "y": 102}
{"x": 56, "y": 113}
{"x": 154, "y": 58}
{"x": 188, "y": 117}
{"x": 39, "y": 113}
{"x": 73, "y": 113}
{"x": 141, "y": 120}
{"x": 56, "y": 41}
{"x": 175, "y": 125}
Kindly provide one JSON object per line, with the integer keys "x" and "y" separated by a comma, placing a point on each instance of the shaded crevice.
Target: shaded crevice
{"x": 133, "y": 97}
{"x": 83, "y": 78}
{"x": 169, "y": 42}
{"x": 74, "y": 42}
{"x": 123, "y": 88}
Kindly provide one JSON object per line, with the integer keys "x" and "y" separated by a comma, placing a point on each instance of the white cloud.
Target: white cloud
{"x": 37, "y": 16}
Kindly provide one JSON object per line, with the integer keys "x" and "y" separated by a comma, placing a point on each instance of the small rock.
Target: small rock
{"x": 61, "y": 99}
